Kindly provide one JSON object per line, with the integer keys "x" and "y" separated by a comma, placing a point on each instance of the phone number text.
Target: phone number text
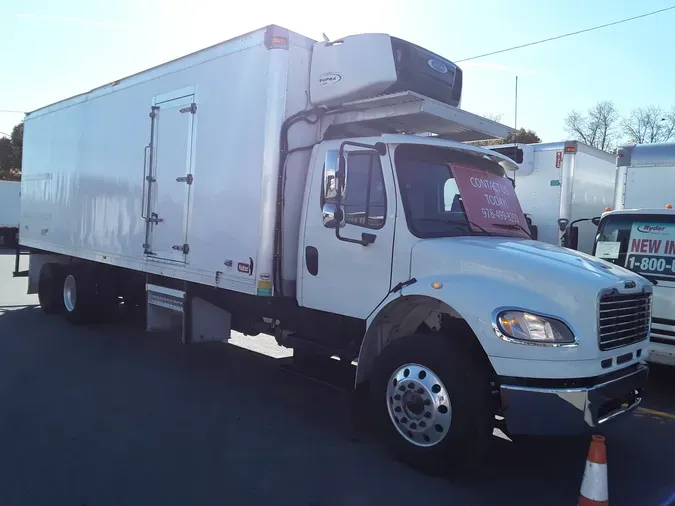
{"x": 499, "y": 215}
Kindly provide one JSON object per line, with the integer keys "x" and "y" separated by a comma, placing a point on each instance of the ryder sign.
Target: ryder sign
{"x": 651, "y": 249}
{"x": 489, "y": 201}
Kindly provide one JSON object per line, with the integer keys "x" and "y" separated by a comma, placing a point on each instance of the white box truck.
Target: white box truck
{"x": 10, "y": 210}
{"x": 272, "y": 184}
{"x": 562, "y": 186}
{"x": 639, "y": 233}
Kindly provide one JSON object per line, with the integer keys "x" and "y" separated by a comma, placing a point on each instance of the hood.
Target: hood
{"x": 517, "y": 260}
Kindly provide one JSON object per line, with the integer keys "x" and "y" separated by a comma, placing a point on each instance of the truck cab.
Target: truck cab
{"x": 423, "y": 238}
{"x": 643, "y": 240}
{"x": 639, "y": 233}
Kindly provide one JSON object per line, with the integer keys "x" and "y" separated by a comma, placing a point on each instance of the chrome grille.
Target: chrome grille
{"x": 624, "y": 319}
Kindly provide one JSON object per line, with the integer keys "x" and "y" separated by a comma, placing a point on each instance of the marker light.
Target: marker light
{"x": 608, "y": 209}
{"x": 436, "y": 285}
{"x": 669, "y": 206}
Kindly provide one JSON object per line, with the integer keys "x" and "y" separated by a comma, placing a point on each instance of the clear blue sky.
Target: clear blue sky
{"x": 54, "y": 49}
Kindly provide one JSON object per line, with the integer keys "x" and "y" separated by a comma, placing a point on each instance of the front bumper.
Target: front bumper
{"x": 545, "y": 407}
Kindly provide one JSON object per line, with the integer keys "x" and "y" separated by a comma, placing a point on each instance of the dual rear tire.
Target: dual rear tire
{"x": 78, "y": 293}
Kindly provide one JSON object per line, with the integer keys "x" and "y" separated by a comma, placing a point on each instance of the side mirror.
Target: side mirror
{"x": 333, "y": 215}
{"x": 570, "y": 238}
{"x": 574, "y": 237}
{"x": 534, "y": 231}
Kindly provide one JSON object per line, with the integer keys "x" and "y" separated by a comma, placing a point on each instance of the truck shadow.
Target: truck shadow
{"x": 87, "y": 410}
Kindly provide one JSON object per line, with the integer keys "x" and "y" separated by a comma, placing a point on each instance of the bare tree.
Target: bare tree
{"x": 494, "y": 116}
{"x": 650, "y": 124}
{"x": 521, "y": 136}
{"x": 597, "y": 128}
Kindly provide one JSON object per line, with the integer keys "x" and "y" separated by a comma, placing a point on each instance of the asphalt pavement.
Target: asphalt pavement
{"x": 107, "y": 415}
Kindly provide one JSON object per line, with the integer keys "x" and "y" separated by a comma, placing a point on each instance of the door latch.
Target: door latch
{"x": 154, "y": 218}
{"x": 192, "y": 108}
{"x": 185, "y": 179}
{"x": 181, "y": 247}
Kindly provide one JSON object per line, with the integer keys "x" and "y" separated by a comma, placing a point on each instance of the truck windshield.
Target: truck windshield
{"x": 447, "y": 193}
{"x": 643, "y": 243}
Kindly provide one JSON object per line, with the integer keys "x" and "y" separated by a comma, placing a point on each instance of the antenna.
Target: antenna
{"x": 515, "y": 113}
{"x": 325, "y": 37}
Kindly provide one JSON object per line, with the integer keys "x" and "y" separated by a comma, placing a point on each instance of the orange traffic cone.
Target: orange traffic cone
{"x": 594, "y": 485}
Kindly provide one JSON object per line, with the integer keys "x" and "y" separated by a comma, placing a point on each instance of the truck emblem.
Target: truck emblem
{"x": 646, "y": 229}
{"x": 438, "y": 66}
{"x": 329, "y": 78}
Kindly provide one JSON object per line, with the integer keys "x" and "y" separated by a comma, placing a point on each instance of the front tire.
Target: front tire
{"x": 432, "y": 397}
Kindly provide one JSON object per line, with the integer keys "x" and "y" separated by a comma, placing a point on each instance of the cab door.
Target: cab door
{"x": 348, "y": 273}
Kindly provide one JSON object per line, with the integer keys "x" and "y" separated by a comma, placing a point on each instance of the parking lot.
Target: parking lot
{"x": 109, "y": 415}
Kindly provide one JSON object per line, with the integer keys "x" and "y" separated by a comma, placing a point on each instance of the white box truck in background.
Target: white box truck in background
{"x": 562, "y": 186}
{"x": 264, "y": 185}
{"x": 639, "y": 233}
{"x": 10, "y": 210}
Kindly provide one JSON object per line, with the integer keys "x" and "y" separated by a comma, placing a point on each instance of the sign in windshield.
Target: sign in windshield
{"x": 490, "y": 201}
{"x": 651, "y": 249}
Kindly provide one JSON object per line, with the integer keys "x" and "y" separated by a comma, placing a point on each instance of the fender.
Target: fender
{"x": 476, "y": 299}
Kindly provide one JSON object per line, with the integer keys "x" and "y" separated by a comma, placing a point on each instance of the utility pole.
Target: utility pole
{"x": 515, "y": 114}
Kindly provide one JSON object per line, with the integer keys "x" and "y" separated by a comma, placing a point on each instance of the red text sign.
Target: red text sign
{"x": 490, "y": 201}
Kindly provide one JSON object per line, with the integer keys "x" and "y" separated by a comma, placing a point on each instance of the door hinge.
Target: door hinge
{"x": 185, "y": 179}
{"x": 181, "y": 247}
{"x": 152, "y": 111}
{"x": 192, "y": 109}
{"x": 154, "y": 218}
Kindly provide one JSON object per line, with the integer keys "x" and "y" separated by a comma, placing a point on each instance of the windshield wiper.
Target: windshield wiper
{"x": 513, "y": 226}
{"x": 456, "y": 223}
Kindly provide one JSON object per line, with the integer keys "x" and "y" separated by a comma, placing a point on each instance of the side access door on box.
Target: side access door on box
{"x": 168, "y": 176}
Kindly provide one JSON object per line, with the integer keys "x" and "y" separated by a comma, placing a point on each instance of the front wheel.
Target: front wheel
{"x": 433, "y": 399}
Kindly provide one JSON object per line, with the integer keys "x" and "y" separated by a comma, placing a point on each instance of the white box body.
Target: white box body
{"x": 10, "y": 204}
{"x": 553, "y": 184}
{"x": 86, "y": 158}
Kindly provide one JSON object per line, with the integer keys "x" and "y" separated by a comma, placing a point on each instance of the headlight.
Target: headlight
{"x": 530, "y": 327}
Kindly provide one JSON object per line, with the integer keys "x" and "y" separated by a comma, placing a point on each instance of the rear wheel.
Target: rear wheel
{"x": 81, "y": 297}
{"x": 433, "y": 400}
{"x": 50, "y": 286}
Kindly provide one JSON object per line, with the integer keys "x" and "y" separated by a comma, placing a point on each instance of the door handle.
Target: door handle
{"x": 312, "y": 260}
{"x": 154, "y": 218}
{"x": 145, "y": 167}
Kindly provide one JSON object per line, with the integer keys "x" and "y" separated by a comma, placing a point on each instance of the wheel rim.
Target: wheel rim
{"x": 419, "y": 405}
{"x": 69, "y": 293}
